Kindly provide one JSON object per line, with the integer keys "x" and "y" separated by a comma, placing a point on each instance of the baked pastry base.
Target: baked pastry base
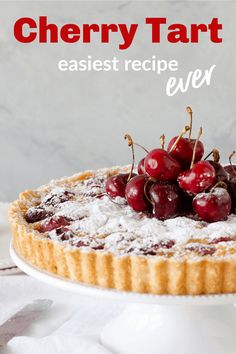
{"x": 137, "y": 273}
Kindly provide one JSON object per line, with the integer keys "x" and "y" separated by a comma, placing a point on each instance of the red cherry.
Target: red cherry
{"x": 197, "y": 179}
{"x": 54, "y": 223}
{"x": 232, "y": 191}
{"x": 231, "y": 174}
{"x": 141, "y": 168}
{"x": 183, "y": 151}
{"x": 186, "y": 203}
{"x": 134, "y": 193}
{"x": 159, "y": 164}
{"x": 230, "y": 170}
{"x": 213, "y": 206}
{"x": 166, "y": 200}
{"x": 221, "y": 174}
{"x": 115, "y": 185}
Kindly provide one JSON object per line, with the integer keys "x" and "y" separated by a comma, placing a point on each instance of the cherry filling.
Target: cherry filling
{"x": 222, "y": 239}
{"x": 167, "y": 244}
{"x": 153, "y": 249}
{"x": 55, "y": 199}
{"x": 53, "y": 223}
{"x": 92, "y": 182}
{"x": 98, "y": 247}
{"x": 95, "y": 193}
{"x": 89, "y": 243}
{"x": 81, "y": 243}
{"x": 35, "y": 214}
{"x": 64, "y": 234}
{"x": 202, "y": 250}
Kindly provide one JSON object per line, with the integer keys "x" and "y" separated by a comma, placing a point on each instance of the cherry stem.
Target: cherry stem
{"x": 150, "y": 179}
{"x": 219, "y": 184}
{"x": 131, "y": 144}
{"x": 195, "y": 147}
{"x": 216, "y": 155}
{"x": 184, "y": 131}
{"x": 230, "y": 160}
{"x": 190, "y": 112}
{"x": 136, "y": 144}
{"x": 162, "y": 139}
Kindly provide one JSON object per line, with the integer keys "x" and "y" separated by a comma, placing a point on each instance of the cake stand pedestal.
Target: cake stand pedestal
{"x": 158, "y": 324}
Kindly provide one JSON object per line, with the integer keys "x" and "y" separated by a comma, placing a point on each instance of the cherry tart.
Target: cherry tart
{"x": 75, "y": 228}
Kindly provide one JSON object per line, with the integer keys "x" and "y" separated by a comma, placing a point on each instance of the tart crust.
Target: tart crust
{"x": 137, "y": 273}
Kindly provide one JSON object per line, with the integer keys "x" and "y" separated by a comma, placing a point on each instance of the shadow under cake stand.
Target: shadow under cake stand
{"x": 158, "y": 324}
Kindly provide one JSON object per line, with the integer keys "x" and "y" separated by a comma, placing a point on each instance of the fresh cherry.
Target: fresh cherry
{"x": 165, "y": 199}
{"x": 213, "y": 206}
{"x": 54, "y": 223}
{"x": 115, "y": 185}
{"x": 199, "y": 178}
{"x": 186, "y": 203}
{"x": 141, "y": 167}
{"x": 221, "y": 174}
{"x": 135, "y": 193}
{"x": 35, "y": 214}
{"x": 230, "y": 170}
{"x": 183, "y": 151}
{"x": 232, "y": 191}
{"x": 160, "y": 165}
{"x": 231, "y": 173}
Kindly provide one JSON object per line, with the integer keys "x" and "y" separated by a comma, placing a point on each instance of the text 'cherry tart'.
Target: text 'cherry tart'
{"x": 183, "y": 151}
{"x": 165, "y": 200}
{"x": 135, "y": 194}
{"x": 198, "y": 179}
{"x": 160, "y": 165}
{"x": 213, "y": 206}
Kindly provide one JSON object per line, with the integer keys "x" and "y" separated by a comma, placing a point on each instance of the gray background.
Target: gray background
{"x": 54, "y": 124}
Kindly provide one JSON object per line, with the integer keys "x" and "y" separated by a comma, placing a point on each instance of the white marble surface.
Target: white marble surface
{"x": 55, "y": 123}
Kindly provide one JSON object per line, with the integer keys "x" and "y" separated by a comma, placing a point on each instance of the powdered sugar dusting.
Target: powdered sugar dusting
{"x": 98, "y": 223}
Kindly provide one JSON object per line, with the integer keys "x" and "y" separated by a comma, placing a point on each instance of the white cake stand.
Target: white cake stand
{"x": 158, "y": 324}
